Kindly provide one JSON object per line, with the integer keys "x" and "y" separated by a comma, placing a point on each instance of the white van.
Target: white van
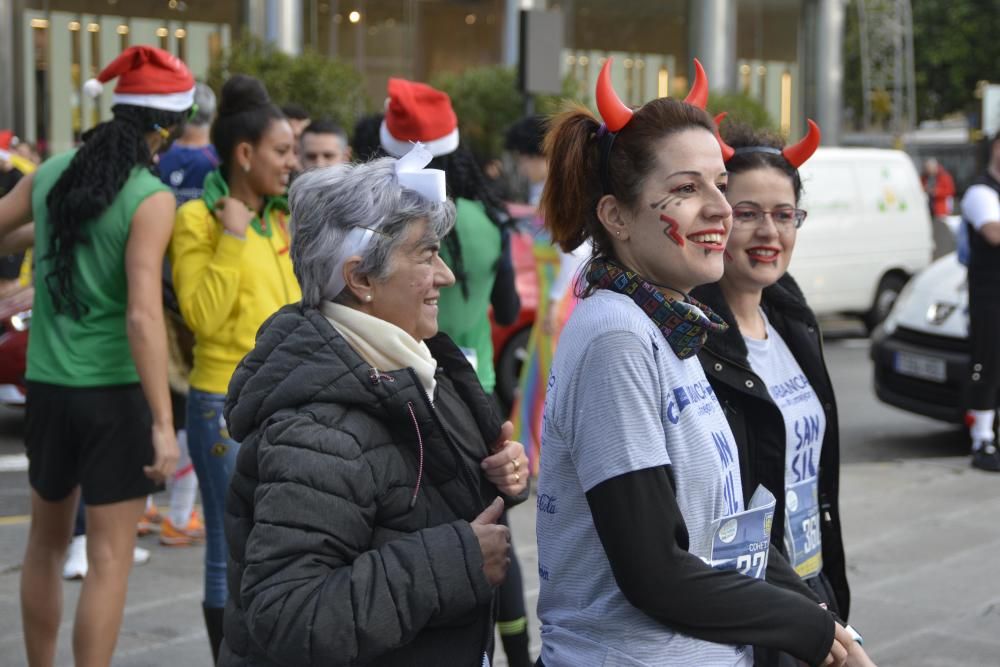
{"x": 868, "y": 231}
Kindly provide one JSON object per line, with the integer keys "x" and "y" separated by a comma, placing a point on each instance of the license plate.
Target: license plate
{"x": 920, "y": 366}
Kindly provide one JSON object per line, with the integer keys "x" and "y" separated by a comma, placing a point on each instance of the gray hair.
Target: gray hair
{"x": 327, "y": 203}
{"x": 204, "y": 97}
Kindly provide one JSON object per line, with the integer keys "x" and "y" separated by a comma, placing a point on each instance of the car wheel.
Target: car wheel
{"x": 885, "y": 297}
{"x": 509, "y": 366}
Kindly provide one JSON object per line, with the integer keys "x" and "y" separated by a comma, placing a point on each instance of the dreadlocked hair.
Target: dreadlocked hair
{"x": 466, "y": 180}
{"x": 90, "y": 184}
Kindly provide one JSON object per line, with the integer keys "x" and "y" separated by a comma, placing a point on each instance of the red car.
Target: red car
{"x": 15, "y": 320}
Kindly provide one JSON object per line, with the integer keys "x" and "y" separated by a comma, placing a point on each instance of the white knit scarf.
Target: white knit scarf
{"x": 382, "y": 344}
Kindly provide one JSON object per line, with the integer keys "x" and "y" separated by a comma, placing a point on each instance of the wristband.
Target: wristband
{"x": 854, "y": 633}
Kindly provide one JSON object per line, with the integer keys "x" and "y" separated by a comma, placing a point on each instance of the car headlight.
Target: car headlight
{"x": 21, "y": 321}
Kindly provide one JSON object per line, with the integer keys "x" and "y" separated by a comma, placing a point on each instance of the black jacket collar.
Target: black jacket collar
{"x": 781, "y": 301}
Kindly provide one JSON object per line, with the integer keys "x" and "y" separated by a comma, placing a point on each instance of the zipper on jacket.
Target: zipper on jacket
{"x": 376, "y": 376}
{"x": 472, "y": 479}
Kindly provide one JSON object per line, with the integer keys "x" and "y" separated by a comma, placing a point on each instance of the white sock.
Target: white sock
{"x": 982, "y": 425}
{"x": 183, "y": 487}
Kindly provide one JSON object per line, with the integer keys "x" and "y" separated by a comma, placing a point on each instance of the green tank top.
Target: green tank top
{"x": 464, "y": 319}
{"x": 92, "y": 351}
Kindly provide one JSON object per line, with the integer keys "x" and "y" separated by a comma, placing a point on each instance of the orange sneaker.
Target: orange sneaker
{"x": 149, "y": 522}
{"x": 191, "y": 534}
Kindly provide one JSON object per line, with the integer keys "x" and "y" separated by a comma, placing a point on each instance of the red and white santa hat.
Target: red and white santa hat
{"x": 416, "y": 112}
{"x": 147, "y": 77}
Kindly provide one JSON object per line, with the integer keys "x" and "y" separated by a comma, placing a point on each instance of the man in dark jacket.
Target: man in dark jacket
{"x": 981, "y": 215}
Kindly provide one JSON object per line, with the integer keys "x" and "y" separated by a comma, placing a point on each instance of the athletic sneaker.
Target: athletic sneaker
{"x": 986, "y": 456}
{"x": 150, "y": 521}
{"x": 191, "y": 534}
{"x": 140, "y": 556}
{"x": 75, "y": 566}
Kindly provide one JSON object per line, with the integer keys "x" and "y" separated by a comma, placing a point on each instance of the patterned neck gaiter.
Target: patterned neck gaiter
{"x": 685, "y": 324}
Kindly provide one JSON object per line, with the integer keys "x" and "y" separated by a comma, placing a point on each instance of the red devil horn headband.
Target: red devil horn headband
{"x": 727, "y": 150}
{"x": 796, "y": 155}
{"x": 802, "y": 151}
{"x": 616, "y": 114}
{"x": 613, "y": 111}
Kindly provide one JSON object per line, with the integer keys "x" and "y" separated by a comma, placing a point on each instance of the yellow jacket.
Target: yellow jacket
{"x": 227, "y": 287}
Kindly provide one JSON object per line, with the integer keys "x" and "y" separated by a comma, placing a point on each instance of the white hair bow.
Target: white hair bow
{"x": 430, "y": 184}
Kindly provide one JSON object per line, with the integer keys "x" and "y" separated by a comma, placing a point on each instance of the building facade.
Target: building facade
{"x": 784, "y": 53}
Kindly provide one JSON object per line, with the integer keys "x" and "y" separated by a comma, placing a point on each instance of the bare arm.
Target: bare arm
{"x": 147, "y": 334}
{"x": 991, "y": 232}
{"x": 15, "y": 213}
{"x": 18, "y": 240}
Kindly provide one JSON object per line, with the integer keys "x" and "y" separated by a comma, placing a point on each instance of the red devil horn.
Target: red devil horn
{"x": 613, "y": 111}
{"x": 727, "y": 150}
{"x": 802, "y": 151}
{"x": 698, "y": 97}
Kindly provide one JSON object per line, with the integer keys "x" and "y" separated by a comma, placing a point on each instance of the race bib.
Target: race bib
{"x": 740, "y": 541}
{"x": 803, "y": 543}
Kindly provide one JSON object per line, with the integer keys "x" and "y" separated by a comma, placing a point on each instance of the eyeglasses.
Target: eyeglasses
{"x": 785, "y": 218}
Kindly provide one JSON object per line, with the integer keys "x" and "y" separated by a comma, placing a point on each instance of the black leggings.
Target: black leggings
{"x": 511, "y": 619}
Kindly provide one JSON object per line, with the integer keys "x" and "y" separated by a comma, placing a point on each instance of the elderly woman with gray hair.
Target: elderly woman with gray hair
{"x": 361, "y": 519}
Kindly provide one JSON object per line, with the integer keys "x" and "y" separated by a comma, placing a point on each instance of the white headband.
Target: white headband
{"x": 410, "y": 173}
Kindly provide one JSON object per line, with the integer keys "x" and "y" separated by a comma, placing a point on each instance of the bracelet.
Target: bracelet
{"x": 854, "y": 633}
{"x": 234, "y": 234}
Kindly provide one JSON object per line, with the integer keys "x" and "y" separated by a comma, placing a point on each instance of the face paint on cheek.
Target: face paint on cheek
{"x": 666, "y": 201}
{"x": 671, "y": 230}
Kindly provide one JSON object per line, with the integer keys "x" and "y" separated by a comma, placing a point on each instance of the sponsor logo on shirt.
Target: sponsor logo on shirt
{"x": 546, "y": 503}
{"x": 686, "y": 396}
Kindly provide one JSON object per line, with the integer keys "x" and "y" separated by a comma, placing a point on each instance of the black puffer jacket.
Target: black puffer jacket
{"x": 348, "y": 514}
{"x": 757, "y": 423}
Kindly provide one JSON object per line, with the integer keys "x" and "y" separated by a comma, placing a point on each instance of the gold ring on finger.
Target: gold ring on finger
{"x": 517, "y": 464}
{"x": 517, "y": 478}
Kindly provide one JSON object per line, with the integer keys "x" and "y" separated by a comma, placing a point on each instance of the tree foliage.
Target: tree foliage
{"x": 741, "y": 109}
{"x": 487, "y": 101}
{"x": 956, "y": 44}
{"x": 323, "y": 86}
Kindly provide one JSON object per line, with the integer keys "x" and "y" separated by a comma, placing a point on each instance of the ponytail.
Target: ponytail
{"x": 573, "y": 187}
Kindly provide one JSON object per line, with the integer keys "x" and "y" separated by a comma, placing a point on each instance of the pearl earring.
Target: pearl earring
{"x": 246, "y": 169}
{"x": 368, "y": 297}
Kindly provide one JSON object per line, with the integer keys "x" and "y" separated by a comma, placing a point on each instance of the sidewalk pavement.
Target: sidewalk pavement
{"x": 922, "y": 539}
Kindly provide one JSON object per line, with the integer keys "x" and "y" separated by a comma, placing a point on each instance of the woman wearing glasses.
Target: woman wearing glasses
{"x": 768, "y": 370}
{"x": 232, "y": 270}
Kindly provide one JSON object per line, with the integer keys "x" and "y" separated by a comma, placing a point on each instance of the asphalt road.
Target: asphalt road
{"x": 919, "y": 525}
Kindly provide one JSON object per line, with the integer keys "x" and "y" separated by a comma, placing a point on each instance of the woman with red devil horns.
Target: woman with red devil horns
{"x": 769, "y": 367}
{"x": 647, "y": 553}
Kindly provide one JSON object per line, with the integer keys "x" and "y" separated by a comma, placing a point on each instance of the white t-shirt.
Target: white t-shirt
{"x": 801, "y": 409}
{"x": 618, "y": 401}
{"x": 981, "y": 205}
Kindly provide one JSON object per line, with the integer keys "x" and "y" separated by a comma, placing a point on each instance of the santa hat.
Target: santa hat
{"x": 147, "y": 77}
{"x": 416, "y": 112}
